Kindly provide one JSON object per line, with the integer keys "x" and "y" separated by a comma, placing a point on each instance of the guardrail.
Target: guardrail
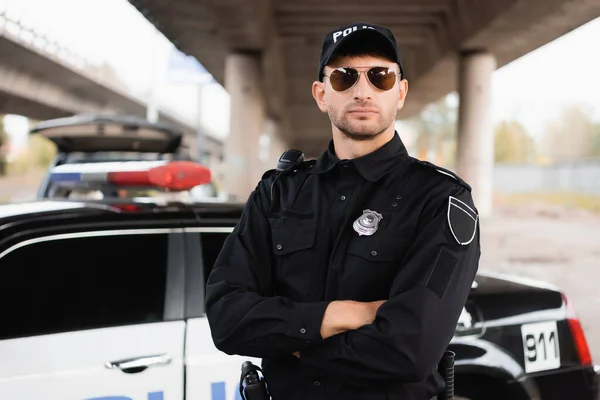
{"x": 17, "y": 31}
{"x": 581, "y": 176}
{"x": 90, "y": 66}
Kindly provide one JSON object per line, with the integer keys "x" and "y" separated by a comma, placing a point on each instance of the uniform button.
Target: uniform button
{"x": 394, "y": 204}
{"x": 317, "y": 383}
{"x": 302, "y": 330}
{"x": 398, "y": 197}
{"x": 373, "y": 253}
{"x": 279, "y": 247}
{"x": 343, "y": 198}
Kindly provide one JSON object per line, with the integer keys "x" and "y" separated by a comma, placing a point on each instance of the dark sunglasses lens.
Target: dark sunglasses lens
{"x": 382, "y": 78}
{"x": 343, "y": 79}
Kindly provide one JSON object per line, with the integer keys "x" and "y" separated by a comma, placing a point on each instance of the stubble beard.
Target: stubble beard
{"x": 355, "y": 130}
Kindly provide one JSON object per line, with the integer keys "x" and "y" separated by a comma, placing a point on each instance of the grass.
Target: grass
{"x": 566, "y": 199}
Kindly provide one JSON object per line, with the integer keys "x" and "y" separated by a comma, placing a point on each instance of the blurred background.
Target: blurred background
{"x": 538, "y": 109}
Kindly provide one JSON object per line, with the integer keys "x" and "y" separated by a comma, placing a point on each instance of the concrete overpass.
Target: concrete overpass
{"x": 447, "y": 45}
{"x": 40, "y": 80}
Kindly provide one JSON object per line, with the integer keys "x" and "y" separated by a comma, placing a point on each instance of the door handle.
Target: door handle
{"x": 138, "y": 364}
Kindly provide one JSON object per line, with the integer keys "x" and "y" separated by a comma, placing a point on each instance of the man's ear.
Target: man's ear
{"x": 318, "y": 92}
{"x": 403, "y": 85}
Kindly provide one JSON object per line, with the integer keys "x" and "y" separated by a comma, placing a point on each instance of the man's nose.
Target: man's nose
{"x": 363, "y": 89}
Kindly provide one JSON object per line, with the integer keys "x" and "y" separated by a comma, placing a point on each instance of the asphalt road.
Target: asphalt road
{"x": 553, "y": 244}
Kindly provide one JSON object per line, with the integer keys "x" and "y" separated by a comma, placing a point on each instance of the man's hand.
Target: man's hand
{"x": 344, "y": 315}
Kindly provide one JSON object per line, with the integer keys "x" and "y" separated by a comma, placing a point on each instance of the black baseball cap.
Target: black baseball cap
{"x": 379, "y": 35}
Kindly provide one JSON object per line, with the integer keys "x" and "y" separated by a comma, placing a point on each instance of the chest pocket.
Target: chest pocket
{"x": 371, "y": 265}
{"x": 293, "y": 241}
{"x": 378, "y": 249}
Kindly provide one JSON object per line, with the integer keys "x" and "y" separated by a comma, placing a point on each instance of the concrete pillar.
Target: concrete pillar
{"x": 242, "y": 165}
{"x": 276, "y": 145}
{"x": 200, "y": 147}
{"x": 475, "y": 147}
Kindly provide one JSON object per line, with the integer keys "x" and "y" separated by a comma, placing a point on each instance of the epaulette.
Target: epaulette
{"x": 289, "y": 162}
{"x": 301, "y": 166}
{"x": 307, "y": 164}
{"x": 269, "y": 173}
{"x": 444, "y": 171}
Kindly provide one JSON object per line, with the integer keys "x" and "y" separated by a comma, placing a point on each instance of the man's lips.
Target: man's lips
{"x": 362, "y": 110}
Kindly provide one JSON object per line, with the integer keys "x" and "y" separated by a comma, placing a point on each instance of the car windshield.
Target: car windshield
{"x": 106, "y": 156}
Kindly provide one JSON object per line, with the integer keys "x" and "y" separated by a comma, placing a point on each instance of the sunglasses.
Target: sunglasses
{"x": 383, "y": 78}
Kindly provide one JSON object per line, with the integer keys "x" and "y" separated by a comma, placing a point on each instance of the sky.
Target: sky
{"x": 532, "y": 89}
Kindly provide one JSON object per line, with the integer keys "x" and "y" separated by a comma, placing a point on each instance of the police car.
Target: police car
{"x": 104, "y": 299}
{"x": 104, "y": 143}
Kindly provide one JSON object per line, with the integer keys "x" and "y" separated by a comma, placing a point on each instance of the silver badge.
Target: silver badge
{"x": 368, "y": 223}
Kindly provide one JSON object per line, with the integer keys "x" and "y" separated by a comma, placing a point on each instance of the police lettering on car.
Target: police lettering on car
{"x": 347, "y": 274}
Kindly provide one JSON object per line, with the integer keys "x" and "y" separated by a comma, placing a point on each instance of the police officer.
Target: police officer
{"x": 347, "y": 275}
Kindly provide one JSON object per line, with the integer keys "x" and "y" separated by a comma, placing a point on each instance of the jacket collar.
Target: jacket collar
{"x": 372, "y": 166}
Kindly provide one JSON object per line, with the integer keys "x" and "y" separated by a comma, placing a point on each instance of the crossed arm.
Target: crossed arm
{"x": 344, "y": 315}
{"x": 402, "y": 337}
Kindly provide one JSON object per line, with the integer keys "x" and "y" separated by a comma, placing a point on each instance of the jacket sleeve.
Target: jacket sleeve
{"x": 244, "y": 317}
{"x": 413, "y": 328}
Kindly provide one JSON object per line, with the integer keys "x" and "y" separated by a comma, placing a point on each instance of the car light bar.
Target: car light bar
{"x": 170, "y": 175}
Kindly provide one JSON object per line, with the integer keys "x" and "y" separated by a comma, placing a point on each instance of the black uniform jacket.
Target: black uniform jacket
{"x": 296, "y": 248}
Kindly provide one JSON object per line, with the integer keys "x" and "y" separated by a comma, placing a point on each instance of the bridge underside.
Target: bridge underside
{"x": 265, "y": 53}
{"x": 41, "y": 86}
{"x": 285, "y": 36}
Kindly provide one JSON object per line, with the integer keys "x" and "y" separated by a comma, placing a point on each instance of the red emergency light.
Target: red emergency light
{"x": 175, "y": 175}
{"x": 171, "y": 175}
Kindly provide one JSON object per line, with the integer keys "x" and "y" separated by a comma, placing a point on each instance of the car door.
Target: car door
{"x": 92, "y": 315}
{"x": 210, "y": 373}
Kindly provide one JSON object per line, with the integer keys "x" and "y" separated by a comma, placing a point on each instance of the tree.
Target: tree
{"x": 571, "y": 136}
{"x": 436, "y": 127}
{"x": 38, "y": 154}
{"x": 512, "y": 143}
{"x": 41, "y": 151}
{"x": 595, "y": 143}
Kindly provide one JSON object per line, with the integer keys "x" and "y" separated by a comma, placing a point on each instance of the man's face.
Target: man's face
{"x": 362, "y": 112}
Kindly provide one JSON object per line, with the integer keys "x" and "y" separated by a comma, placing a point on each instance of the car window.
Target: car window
{"x": 80, "y": 283}
{"x": 211, "y": 247}
{"x": 111, "y": 156}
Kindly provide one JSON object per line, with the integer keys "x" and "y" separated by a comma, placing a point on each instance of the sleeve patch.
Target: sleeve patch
{"x": 462, "y": 221}
{"x": 442, "y": 272}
